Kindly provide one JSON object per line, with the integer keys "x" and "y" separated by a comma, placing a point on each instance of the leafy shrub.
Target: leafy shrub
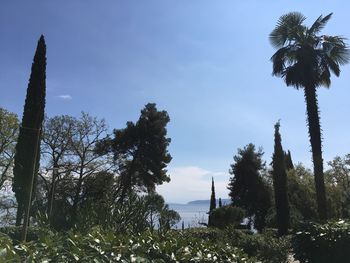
{"x": 14, "y": 233}
{"x": 266, "y": 246}
{"x": 106, "y": 246}
{"x": 227, "y": 215}
{"x": 321, "y": 243}
{"x": 209, "y": 234}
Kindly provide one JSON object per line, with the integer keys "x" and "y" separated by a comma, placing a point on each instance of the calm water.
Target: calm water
{"x": 192, "y": 215}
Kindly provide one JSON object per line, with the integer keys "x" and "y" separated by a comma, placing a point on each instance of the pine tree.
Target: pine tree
{"x": 141, "y": 151}
{"x": 288, "y": 161}
{"x": 247, "y": 188}
{"x": 280, "y": 184}
{"x": 212, "y": 200}
{"x": 27, "y": 148}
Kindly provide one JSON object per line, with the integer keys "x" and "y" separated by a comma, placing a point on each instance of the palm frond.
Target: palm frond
{"x": 292, "y": 76}
{"x": 333, "y": 66}
{"x": 303, "y": 57}
{"x": 319, "y": 24}
{"x": 278, "y": 60}
{"x": 286, "y": 28}
{"x": 337, "y": 49}
{"x": 324, "y": 75}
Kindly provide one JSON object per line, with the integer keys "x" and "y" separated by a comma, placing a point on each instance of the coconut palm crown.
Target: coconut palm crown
{"x": 305, "y": 59}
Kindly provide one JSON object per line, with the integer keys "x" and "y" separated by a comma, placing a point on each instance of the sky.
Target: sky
{"x": 207, "y": 63}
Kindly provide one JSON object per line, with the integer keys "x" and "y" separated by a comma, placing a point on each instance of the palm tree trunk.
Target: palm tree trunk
{"x": 316, "y": 147}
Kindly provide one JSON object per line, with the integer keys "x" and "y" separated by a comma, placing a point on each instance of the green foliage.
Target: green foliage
{"x": 72, "y": 174}
{"x": 27, "y": 147}
{"x": 105, "y": 246}
{"x": 136, "y": 214}
{"x": 288, "y": 160}
{"x": 212, "y": 202}
{"x": 266, "y": 246}
{"x": 155, "y": 204}
{"x": 212, "y": 196}
{"x": 247, "y": 188}
{"x": 220, "y": 202}
{"x": 226, "y": 215}
{"x": 322, "y": 243}
{"x": 301, "y": 195}
{"x": 338, "y": 186}
{"x": 140, "y": 151}
{"x": 9, "y": 126}
{"x": 300, "y": 59}
{"x": 279, "y": 177}
{"x": 305, "y": 59}
{"x": 204, "y": 233}
{"x": 168, "y": 218}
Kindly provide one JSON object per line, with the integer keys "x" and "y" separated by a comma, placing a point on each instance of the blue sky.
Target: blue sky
{"x": 205, "y": 62}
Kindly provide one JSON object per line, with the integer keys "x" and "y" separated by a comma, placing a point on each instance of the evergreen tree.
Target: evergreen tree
{"x": 212, "y": 200}
{"x": 279, "y": 177}
{"x": 220, "y": 202}
{"x": 247, "y": 188}
{"x": 140, "y": 151}
{"x": 288, "y": 161}
{"x": 27, "y": 148}
{"x": 212, "y": 197}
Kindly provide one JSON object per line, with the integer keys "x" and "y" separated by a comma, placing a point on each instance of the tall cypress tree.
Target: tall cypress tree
{"x": 220, "y": 202}
{"x": 288, "y": 161}
{"x": 280, "y": 184}
{"x": 212, "y": 200}
{"x": 27, "y": 148}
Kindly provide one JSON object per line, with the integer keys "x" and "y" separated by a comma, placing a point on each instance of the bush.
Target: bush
{"x": 323, "y": 243}
{"x": 106, "y": 246}
{"x": 227, "y": 215}
{"x": 266, "y": 246}
{"x": 15, "y": 233}
{"x": 209, "y": 234}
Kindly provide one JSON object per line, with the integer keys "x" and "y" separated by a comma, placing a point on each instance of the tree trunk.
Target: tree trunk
{"x": 316, "y": 147}
{"x": 76, "y": 200}
{"x": 52, "y": 192}
{"x": 19, "y": 214}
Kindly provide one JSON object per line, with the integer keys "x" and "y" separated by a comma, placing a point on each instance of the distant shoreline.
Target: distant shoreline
{"x": 202, "y": 202}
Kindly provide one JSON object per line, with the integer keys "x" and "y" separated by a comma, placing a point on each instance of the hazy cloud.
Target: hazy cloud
{"x": 192, "y": 183}
{"x": 65, "y": 97}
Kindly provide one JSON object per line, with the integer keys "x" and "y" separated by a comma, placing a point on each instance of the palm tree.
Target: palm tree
{"x": 305, "y": 59}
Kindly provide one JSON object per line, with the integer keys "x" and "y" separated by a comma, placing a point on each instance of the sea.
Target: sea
{"x": 194, "y": 213}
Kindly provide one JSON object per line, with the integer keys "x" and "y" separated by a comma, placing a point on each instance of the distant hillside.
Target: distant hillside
{"x": 207, "y": 202}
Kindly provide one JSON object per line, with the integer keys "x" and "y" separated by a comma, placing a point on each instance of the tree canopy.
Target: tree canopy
{"x": 247, "y": 188}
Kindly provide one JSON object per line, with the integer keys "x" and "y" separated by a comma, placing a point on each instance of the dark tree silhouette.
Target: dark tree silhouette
{"x": 288, "y": 160}
{"x": 247, "y": 187}
{"x": 220, "y": 202}
{"x": 279, "y": 177}
{"x": 212, "y": 201}
{"x": 140, "y": 151}
{"x": 305, "y": 59}
{"x": 27, "y": 149}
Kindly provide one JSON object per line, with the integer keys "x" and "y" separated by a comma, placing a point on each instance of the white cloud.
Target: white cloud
{"x": 193, "y": 183}
{"x": 65, "y": 97}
